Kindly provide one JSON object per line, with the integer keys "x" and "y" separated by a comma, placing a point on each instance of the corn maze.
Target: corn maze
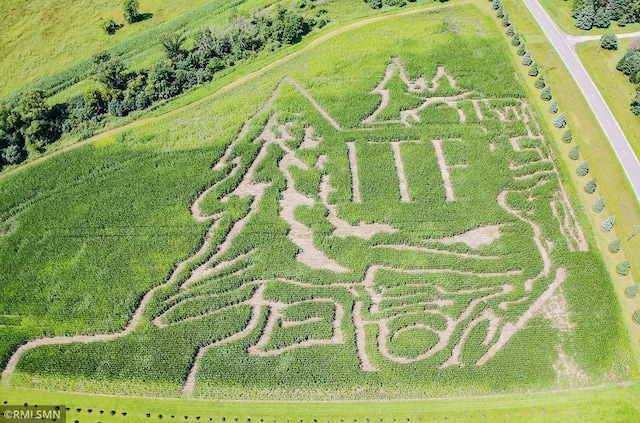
{"x": 428, "y": 234}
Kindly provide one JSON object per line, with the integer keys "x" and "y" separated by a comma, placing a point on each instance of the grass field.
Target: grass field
{"x": 397, "y": 247}
{"x": 612, "y": 404}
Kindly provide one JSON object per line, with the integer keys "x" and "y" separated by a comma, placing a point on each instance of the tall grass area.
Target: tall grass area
{"x": 86, "y": 233}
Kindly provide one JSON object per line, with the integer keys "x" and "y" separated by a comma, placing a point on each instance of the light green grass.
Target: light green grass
{"x": 611, "y": 405}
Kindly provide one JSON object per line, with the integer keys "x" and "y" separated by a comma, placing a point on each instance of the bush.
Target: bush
{"x": 636, "y": 317}
{"x": 602, "y": 18}
{"x": 609, "y": 42}
{"x": 500, "y": 12}
{"x": 539, "y": 84}
{"x": 505, "y": 20}
{"x": 583, "y": 169}
{"x": 607, "y": 225}
{"x": 515, "y": 40}
{"x": 375, "y": 4}
{"x": 561, "y": 121}
{"x": 526, "y": 59}
{"x": 567, "y": 136}
{"x": 585, "y": 17}
{"x": 598, "y": 206}
{"x": 632, "y": 291}
{"x": 522, "y": 50}
{"x": 110, "y": 26}
{"x": 615, "y": 245}
{"x": 546, "y": 94}
{"x": 131, "y": 13}
{"x": 623, "y": 268}
{"x": 496, "y": 4}
{"x": 13, "y": 154}
{"x": 591, "y": 186}
{"x": 553, "y": 109}
{"x": 574, "y": 153}
{"x": 510, "y": 31}
{"x": 533, "y": 70}
{"x": 635, "y": 105}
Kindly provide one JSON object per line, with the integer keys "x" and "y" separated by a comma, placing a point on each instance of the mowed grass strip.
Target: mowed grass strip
{"x": 612, "y": 404}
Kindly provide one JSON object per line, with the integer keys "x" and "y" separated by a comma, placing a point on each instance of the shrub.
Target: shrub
{"x": 583, "y": 169}
{"x": 131, "y": 13}
{"x": 598, "y": 206}
{"x": 602, "y": 18}
{"x": 636, "y": 317}
{"x": 110, "y": 26}
{"x": 13, "y": 154}
{"x": 539, "y": 84}
{"x": 561, "y": 121}
{"x": 526, "y": 59}
{"x": 500, "y": 12}
{"x": 607, "y": 225}
{"x": 505, "y": 20}
{"x": 546, "y": 94}
{"x": 623, "y": 268}
{"x": 533, "y": 70}
{"x": 635, "y": 105}
{"x": 609, "y": 42}
{"x": 585, "y": 17}
{"x": 615, "y": 245}
{"x": 375, "y": 4}
{"x": 632, "y": 291}
{"x": 567, "y": 136}
{"x": 591, "y": 186}
{"x": 574, "y": 153}
{"x": 522, "y": 50}
{"x": 495, "y": 4}
{"x": 510, "y": 31}
{"x": 515, "y": 41}
{"x": 553, "y": 109}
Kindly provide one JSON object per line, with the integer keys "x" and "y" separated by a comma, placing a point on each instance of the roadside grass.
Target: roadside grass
{"x": 561, "y": 10}
{"x": 611, "y": 405}
{"x": 612, "y": 181}
{"x": 613, "y": 85}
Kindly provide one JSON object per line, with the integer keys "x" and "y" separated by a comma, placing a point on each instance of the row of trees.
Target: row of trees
{"x": 600, "y": 13}
{"x": 29, "y": 124}
{"x": 377, "y": 4}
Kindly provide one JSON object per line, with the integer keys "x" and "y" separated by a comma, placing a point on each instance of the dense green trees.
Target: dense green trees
{"x": 131, "y": 13}
{"x": 600, "y": 13}
{"x": 609, "y": 42}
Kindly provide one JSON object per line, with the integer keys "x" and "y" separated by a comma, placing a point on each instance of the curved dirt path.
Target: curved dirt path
{"x": 236, "y": 83}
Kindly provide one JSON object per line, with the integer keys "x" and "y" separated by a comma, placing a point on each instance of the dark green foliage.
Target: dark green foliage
{"x": 539, "y": 84}
{"x": 598, "y": 206}
{"x": 553, "y": 108}
{"x": 607, "y": 225}
{"x": 533, "y": 70}
{"x": 567, "y": 136}
{"x": 109, "y": 71}
{"x": 110, "y": 26}
{"x": 172, "y": 46}
{"x": 131, "y": 12}
{"x": 546, "y": 94}
{"x": 635, "y": 105}
{"x": 560, "y": 121}
{"x": 515, "y": 40}
{"x": 632, "y": 291}
{"x": 601, "y": 19}
{"x": 615, "y": 245}
{"x": 510, "y": 32}
{"x": 574, "y": 153}
{"x": 623, "y": 268}
{"x": 13, "y": 154}
{"x": 505, "y": 20}
{"x": 585, "y": 17}
{"x": 591, "y": 186}
{"x": 375, "y": 4}
{"x": 609, "y": 42}
{"x": 526, "y": 59}
{"x": 522, "y": 50}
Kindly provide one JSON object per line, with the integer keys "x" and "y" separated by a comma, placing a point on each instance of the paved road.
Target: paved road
{"x": 563, "y": 44}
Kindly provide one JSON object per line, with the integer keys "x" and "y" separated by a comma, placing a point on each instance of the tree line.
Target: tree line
{"x": 28, "y": 124}
{"x": 601, "y": 13}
